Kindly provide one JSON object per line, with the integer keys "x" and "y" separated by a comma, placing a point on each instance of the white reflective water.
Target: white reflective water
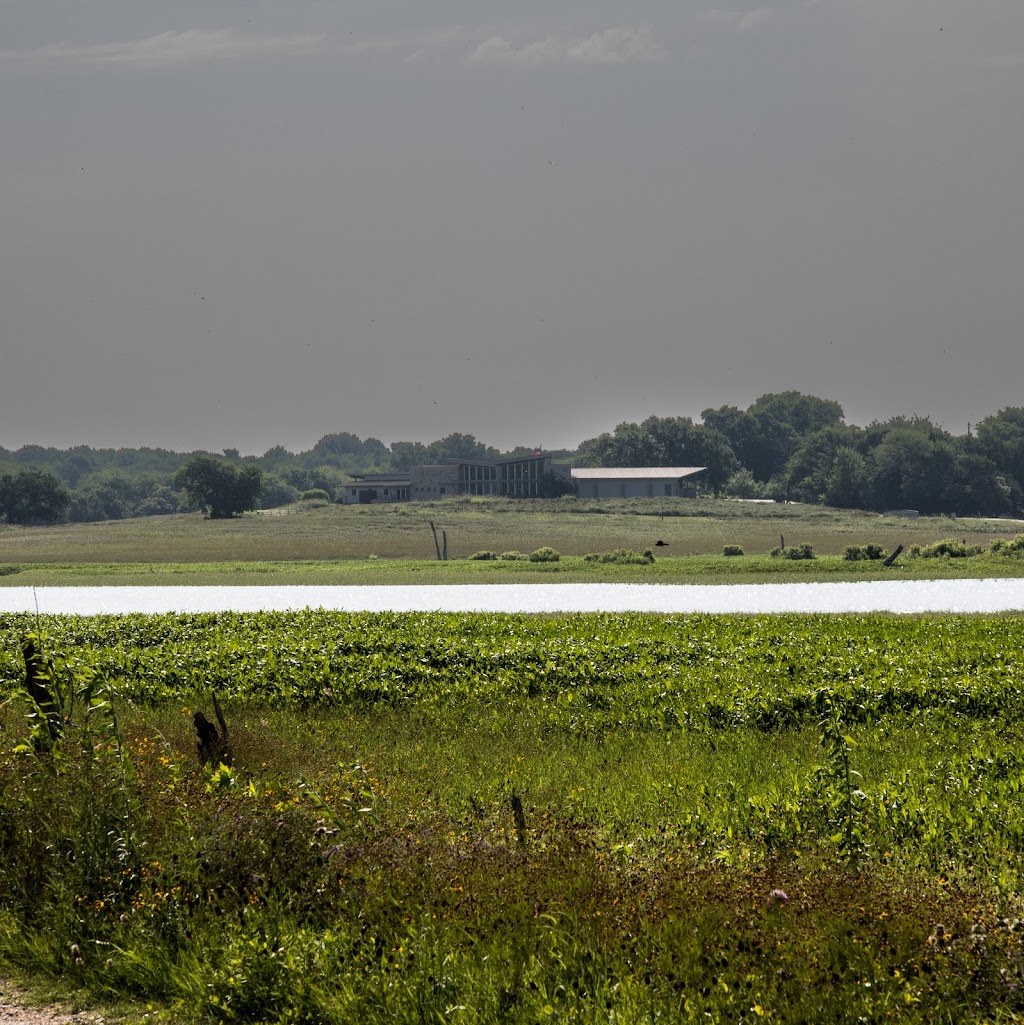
{"x": 910, "y": 596}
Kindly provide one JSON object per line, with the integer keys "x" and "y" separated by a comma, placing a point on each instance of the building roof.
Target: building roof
{"x": 380, "y": 478}
{"x": 635, "y": 472}
{"x": 532, "y": 457}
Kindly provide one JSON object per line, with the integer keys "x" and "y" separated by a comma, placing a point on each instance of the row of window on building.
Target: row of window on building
{"x": 515, "y": 478}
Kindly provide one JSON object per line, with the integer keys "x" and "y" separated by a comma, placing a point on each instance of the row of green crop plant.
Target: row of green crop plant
{"x": 583, "y": 673}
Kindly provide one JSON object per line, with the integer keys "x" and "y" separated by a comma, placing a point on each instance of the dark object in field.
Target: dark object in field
{"x": 213, "y": 746}
{"x": 660, "y": 544}
{"x": 37, "y": 683}
{"x": 517, "y": 812}
{"x": 892, "y": 558}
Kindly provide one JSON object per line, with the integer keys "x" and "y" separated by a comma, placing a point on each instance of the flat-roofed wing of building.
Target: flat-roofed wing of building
{"x": 514, "y": 478}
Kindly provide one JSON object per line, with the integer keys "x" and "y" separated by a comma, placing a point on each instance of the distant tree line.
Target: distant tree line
{"x": 785, "y": 445}
{"x": 82, "y": 484}
{"x": 790, "y": 446}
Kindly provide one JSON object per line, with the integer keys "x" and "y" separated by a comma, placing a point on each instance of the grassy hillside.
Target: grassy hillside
{"x": 574, "y": 527}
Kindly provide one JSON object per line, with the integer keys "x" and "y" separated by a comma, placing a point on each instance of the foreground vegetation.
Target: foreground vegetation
{"x": 722, "y": 818}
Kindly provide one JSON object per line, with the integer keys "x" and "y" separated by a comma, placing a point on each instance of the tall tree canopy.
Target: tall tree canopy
{"x": 804, "y": 413}
{"x": 762, "y": 442}
{"x": 33, "y": 496}
{"x": 1001, "y": 438}
{"x": 218, "y": 488}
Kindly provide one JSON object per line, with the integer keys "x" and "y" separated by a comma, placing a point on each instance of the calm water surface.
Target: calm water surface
{"x": 909, "y": 596}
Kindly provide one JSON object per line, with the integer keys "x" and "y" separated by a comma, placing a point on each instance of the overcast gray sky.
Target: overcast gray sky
{"x": 228, "y": 223}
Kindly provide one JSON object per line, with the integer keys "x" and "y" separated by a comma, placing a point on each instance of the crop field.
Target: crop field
{"x": 499, "y": 818}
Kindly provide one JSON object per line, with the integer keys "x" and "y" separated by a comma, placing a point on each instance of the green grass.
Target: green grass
{"x": 394, "y": 544}
{"x": 362, "y": 862}
{"x": 571, "y": 569}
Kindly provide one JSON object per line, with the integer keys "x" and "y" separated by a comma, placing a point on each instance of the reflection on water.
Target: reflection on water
{"x": 866, "y": 596}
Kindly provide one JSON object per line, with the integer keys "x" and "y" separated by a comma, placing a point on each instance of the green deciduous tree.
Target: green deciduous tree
{"x": 810, "y": 467}
{"x": 846, "y": 480}
{"x": 804, "y": 413}
{"x": 219, "y": 489}
{"x": 276, "y": 492}
{"x": 761, "y": 442}
{"x": 902, "y": 471}
{"x": 113, "y": 495}
{"x": 928, "y": 470}
{"x": 346, "y": 452}
{"x": 33, "y": 496}
{"x": 1001, "y": 438}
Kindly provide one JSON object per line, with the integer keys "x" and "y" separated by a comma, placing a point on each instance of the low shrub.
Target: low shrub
{"x": 544, "y": 555}
{"x": 314, "y": 495}
{"x": 485, "y": 556}
{"x": 514, "y": 556}
{"x": 804, "y": 551}
{"x": 8, "y": 571}
{"x": 732, "y": 550}
{"x": 1000, "y": 546}
{"x": 860, "y": 553}
{"x": 622, "y": 557}
{"x": 948, "y": 548}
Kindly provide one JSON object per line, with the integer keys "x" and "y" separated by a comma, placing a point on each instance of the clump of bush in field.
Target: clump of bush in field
{"x": 7, "y": 571}
{"x": 732, "y": 550}
{"x": 622, "y": 557}
{"x": 314, "y": 498}
{"x": 484, "y": 556}
{"x": 948, "y": 548}
{"x": 1000, "y": 546}
{"x": 514, "y": 556}
{"x": 861, "y": 553}
{"x": 544, "y": 554}
{"x": 804, "y": 551}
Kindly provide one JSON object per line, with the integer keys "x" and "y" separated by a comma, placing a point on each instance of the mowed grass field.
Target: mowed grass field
{"x": 395, "y": 544}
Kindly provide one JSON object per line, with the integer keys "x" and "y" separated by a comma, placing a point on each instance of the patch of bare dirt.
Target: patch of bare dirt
{"x": 15, "y": 1009}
